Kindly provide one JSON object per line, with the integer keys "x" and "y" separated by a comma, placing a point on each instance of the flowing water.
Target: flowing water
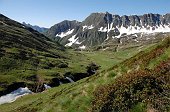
{"x": 69, "y": 79}
{"x": 47, "y": 86}
{"x": 11, "y": 97}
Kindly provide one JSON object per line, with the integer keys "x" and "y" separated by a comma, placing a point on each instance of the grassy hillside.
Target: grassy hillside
{"x": 23, "y": 52}
{"x": 27, "y": 56}
{"x": 144, "y": 85}
{"x": 142, "y": 90}
{"x": 100, "y": 92}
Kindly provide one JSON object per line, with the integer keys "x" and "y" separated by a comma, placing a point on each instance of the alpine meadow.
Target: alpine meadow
{"x": 71, "y": 62}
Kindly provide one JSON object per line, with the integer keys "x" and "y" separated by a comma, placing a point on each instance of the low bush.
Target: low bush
{"x": 63, "y": 65}
{"x": 143, "y": 86}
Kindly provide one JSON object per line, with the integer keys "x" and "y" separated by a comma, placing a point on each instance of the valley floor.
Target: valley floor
{"x": 68, "y": 97}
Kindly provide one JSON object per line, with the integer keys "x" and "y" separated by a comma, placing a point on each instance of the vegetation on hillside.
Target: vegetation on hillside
{"x": 25, "y": 54}
{"x": 148, "y": 87}
{"x": 82, "y": 95}
{"x": 134, "y": 79}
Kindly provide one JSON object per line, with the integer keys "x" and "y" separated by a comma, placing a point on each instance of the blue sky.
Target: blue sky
{"x": 49, "y": 12}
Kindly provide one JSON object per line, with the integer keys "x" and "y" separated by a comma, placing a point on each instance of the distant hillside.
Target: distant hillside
{"x": 35, "y": 27}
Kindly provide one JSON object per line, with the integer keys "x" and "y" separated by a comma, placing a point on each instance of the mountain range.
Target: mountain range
{"x": 35, "y": 27}
{"x": 105, "y": 28}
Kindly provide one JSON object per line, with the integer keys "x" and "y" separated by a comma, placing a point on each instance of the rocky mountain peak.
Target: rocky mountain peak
{"x": 99, "y": 28}
{"x": 63, "y": 26}
{"x": 94, "y": 19}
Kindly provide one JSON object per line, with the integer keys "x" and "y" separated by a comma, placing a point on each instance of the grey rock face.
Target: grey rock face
{"x": 100, "y": 28}
{"x": 95, "y": 19}
{"x": 134, "y": 20}
{"x": 150, "y": 19}
{"x": 61, "y": 27}
{"x": 117, "y": 20}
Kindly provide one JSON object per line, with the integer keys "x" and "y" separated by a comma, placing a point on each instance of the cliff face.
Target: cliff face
{"x": 102, "y": 28}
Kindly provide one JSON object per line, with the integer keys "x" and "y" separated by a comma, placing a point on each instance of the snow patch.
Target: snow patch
{"x": 101, "y": 29}
{"x": 63, "y": 34}
{"x": 107, "y": 29}
{"x": 135, "y": 35}
{"x": 136, "y": 40}
{"x": 11, "y": 97}
{"x": 146, "y": 30}
{"x": 105, "y": 48}
{"x": 88, "y": 27}
{"x": 82, "y": 47}
{"x": 77, "y": 42}
{"x": 72, "y": 40}
{"x": 110, "y": 27}
{"x": 135, "y": 29}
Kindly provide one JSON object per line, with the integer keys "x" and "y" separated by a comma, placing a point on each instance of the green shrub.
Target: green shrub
{"x": 112, "y": 74}
{"x": 63, "y": 65}
{"x": 129, "y": 90}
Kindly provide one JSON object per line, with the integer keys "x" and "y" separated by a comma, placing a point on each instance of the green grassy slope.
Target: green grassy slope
{"x": 78, "y": 96}
{"x": 23, "y": 52}
{"x": 135, "y": 91}
{"x": 26, "y": 55}
{"x": 144, "y": 85}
